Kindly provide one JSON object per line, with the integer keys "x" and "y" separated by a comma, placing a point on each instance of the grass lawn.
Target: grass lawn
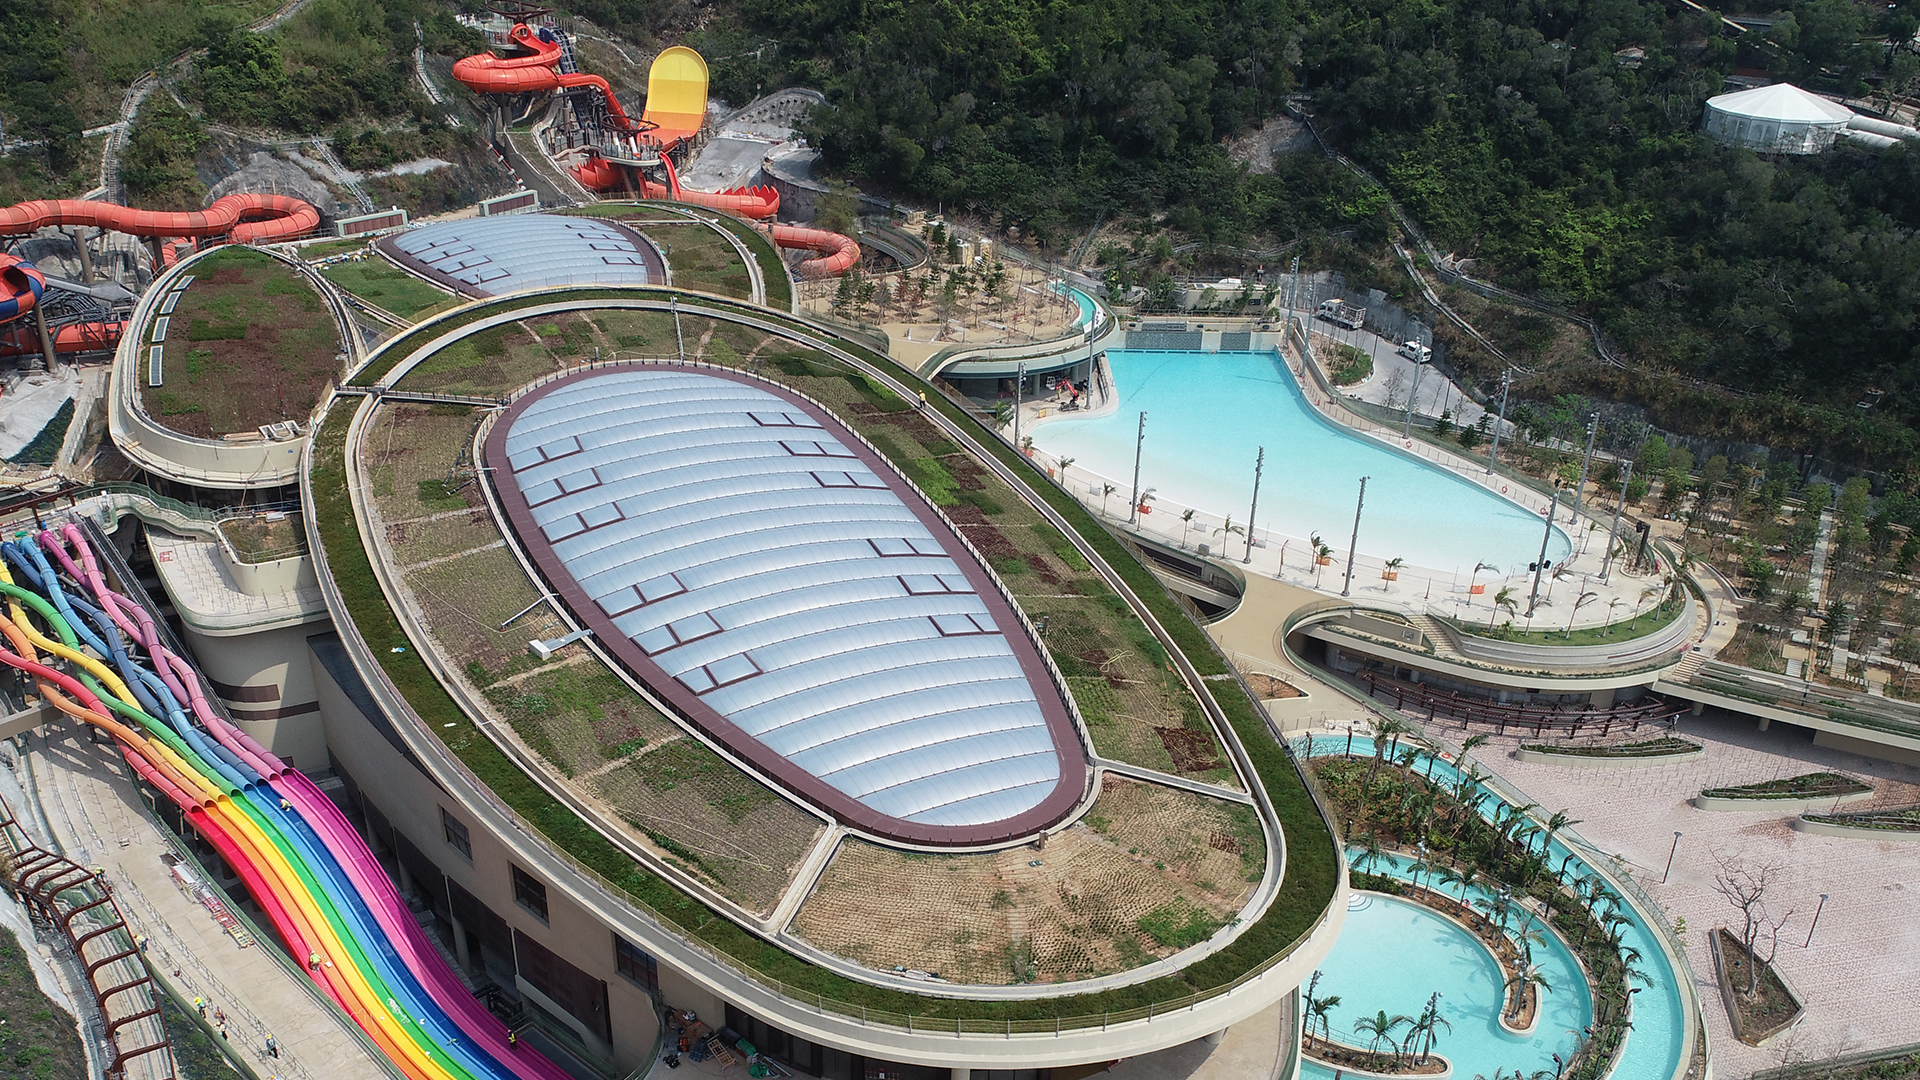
{"x": 386, "y": 286}
{"x": 250, "y": 343}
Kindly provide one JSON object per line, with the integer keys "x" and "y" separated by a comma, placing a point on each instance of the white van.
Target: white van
{"x": 1416, "y": 352}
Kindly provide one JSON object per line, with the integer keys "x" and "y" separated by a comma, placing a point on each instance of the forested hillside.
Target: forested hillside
{"x": 1509, "y": 128}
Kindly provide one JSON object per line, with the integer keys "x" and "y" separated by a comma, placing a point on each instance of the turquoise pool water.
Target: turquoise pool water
{"x": 1392, "y": 955}
{"x": 1206, "y": 414}
{"x": 1081, "y": 299}
{"x": 1654, "y": 1043}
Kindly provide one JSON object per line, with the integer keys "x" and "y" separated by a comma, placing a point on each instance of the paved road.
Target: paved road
{"x": 1436, "y": 391}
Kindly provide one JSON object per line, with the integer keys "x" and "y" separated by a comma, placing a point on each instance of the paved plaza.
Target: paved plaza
{"x": 1857, "y": 978}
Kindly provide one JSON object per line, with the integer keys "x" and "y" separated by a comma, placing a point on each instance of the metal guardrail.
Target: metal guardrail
{"x": 82, "y": 907}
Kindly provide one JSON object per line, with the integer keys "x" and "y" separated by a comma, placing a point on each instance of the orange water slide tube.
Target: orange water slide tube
{"x": 755, "y": 202}
{"x": 485, "y": 73}
{"x": 838, "y": 254}
{"x": 242, "y": 218}
{"x": 22, "y": 340}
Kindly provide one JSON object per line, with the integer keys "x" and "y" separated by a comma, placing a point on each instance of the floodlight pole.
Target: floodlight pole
{"x": 680, "y": 340}
{"x": 1613, "y": 533}
{"x": 1019, "y": 390}
{"x": 1406, "y": 428}
{"x": 1493, "y": 454}
{"x": 1353, "y": 544}
{"x": 1816, "y": 921}
{"x": 1259, "y": 463}
{"x": 1139, "y": 442}
{"x": 1293, "y": 294}
{"x": 1540, "y": 565}
{"x": 1580, "y": 493}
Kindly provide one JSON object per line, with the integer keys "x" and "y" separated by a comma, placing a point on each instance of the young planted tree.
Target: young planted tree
{"x": 1745, "y": 885}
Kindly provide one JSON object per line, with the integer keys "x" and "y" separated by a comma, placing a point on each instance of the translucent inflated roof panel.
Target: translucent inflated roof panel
{"x": 778, "y": 584}
{"x": 491, "y": 256}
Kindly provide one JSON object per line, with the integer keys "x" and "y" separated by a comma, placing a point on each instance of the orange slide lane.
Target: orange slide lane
{"x": 242, "y": 218}
{"x": 485, "y": 73}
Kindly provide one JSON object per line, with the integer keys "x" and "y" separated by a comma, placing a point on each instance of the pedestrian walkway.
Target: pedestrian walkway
{"x": 95, "y": 817}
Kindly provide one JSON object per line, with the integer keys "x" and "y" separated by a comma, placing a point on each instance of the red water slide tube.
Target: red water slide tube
{"x": 838, "y": 254}
{"x": 242, "y": 218}
{"x": 485, "y": 73}
{"x": 755, "y": 202}
{"x": 22, "y": 339}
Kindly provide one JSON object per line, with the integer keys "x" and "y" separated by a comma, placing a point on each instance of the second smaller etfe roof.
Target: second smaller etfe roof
{"x": 492, "y": 256}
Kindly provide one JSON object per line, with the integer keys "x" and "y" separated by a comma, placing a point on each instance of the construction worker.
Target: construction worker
{"x": 513, "y": 1039}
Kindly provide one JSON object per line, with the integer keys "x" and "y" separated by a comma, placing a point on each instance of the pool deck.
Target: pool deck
{"x": 1418, "y": 589}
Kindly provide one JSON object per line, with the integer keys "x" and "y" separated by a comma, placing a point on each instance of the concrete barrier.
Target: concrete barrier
{"x": 1597, "y": 761}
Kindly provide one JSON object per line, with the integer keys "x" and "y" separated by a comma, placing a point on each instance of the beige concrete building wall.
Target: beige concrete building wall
{"x": 277, "y": 704}
{"x": 413, "y": 803}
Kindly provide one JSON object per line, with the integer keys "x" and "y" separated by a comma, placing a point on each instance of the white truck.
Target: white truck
{"x": 1341, "y": 313}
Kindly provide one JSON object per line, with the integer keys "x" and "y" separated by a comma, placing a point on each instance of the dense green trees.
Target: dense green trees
{"x": 1556, "y": 142}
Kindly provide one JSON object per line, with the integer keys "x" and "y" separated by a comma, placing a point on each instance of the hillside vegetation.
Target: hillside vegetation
{"x": 1511, "y": 129}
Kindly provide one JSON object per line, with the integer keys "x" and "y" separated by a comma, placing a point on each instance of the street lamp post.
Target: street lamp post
{"x": 1019, "y": 394}
{"x": 1406, "y": 427}
{"x": 1670, "y": 854}
{"x": 1354, "y": 543}
{"x": 1816, "y": 920}
{"x": 1613, "y": 533}
{"x": 1259, "y": 463}
{"x": 1139, "y": 442}
{"x": 1580, "y": 493}
{"x": 1540, "y": 565}
{"x": 1493, "y": 454}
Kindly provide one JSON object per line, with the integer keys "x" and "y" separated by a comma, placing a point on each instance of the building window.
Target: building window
{"x": 529, "y": 894}
{"x": 456, "y": 834}
{"x": 637, "y": 966}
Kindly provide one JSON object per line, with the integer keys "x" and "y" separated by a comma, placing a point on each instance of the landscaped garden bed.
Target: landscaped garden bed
{"x": 1666, "y": 748}
{"x": 1901, "y": 824}
{"x": 1768, "y": 1009}
{"x": 1793, "y": 792}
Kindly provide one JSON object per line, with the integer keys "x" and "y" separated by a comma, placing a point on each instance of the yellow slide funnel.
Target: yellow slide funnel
{"x": 677, "y": 94}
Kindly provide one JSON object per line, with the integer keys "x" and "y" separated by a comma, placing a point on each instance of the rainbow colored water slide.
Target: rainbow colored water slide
{"x": 298, "y": 856}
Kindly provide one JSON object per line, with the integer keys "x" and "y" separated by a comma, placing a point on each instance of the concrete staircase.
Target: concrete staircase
{"x": 1437, "y": 633}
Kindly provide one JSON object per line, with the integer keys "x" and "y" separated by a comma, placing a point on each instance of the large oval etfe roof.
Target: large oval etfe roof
{"x": 778, "y": 584}
{"x": 492, "y": 256}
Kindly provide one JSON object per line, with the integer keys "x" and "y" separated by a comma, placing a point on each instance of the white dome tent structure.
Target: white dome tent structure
{"x": 1779, "y": 119}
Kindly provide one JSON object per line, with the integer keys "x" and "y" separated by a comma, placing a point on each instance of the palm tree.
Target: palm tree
{"x": 1106, "y": 492}
{"x": 1381, "y": 1027}
{"x": 1186, "y": 526}
{"x": 1520, "y": 982}
{"x": 1425, "y": 1026}
{"x": 1388, "y": 727}
{"x": 1370, "y": 851}
{"x": 1474, "y": 742}
{"x": 1579, "y": 602}
{"x": 1611, "y": 604}
{"x": 1477, "y": 567}
{"x": 1393, "y": 567}
{"x": 1228, "y": 528}
{"x": 1506, "y": 599}
{"x": 1317, "y": 1010}
{"x": 1062, "y": 466}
